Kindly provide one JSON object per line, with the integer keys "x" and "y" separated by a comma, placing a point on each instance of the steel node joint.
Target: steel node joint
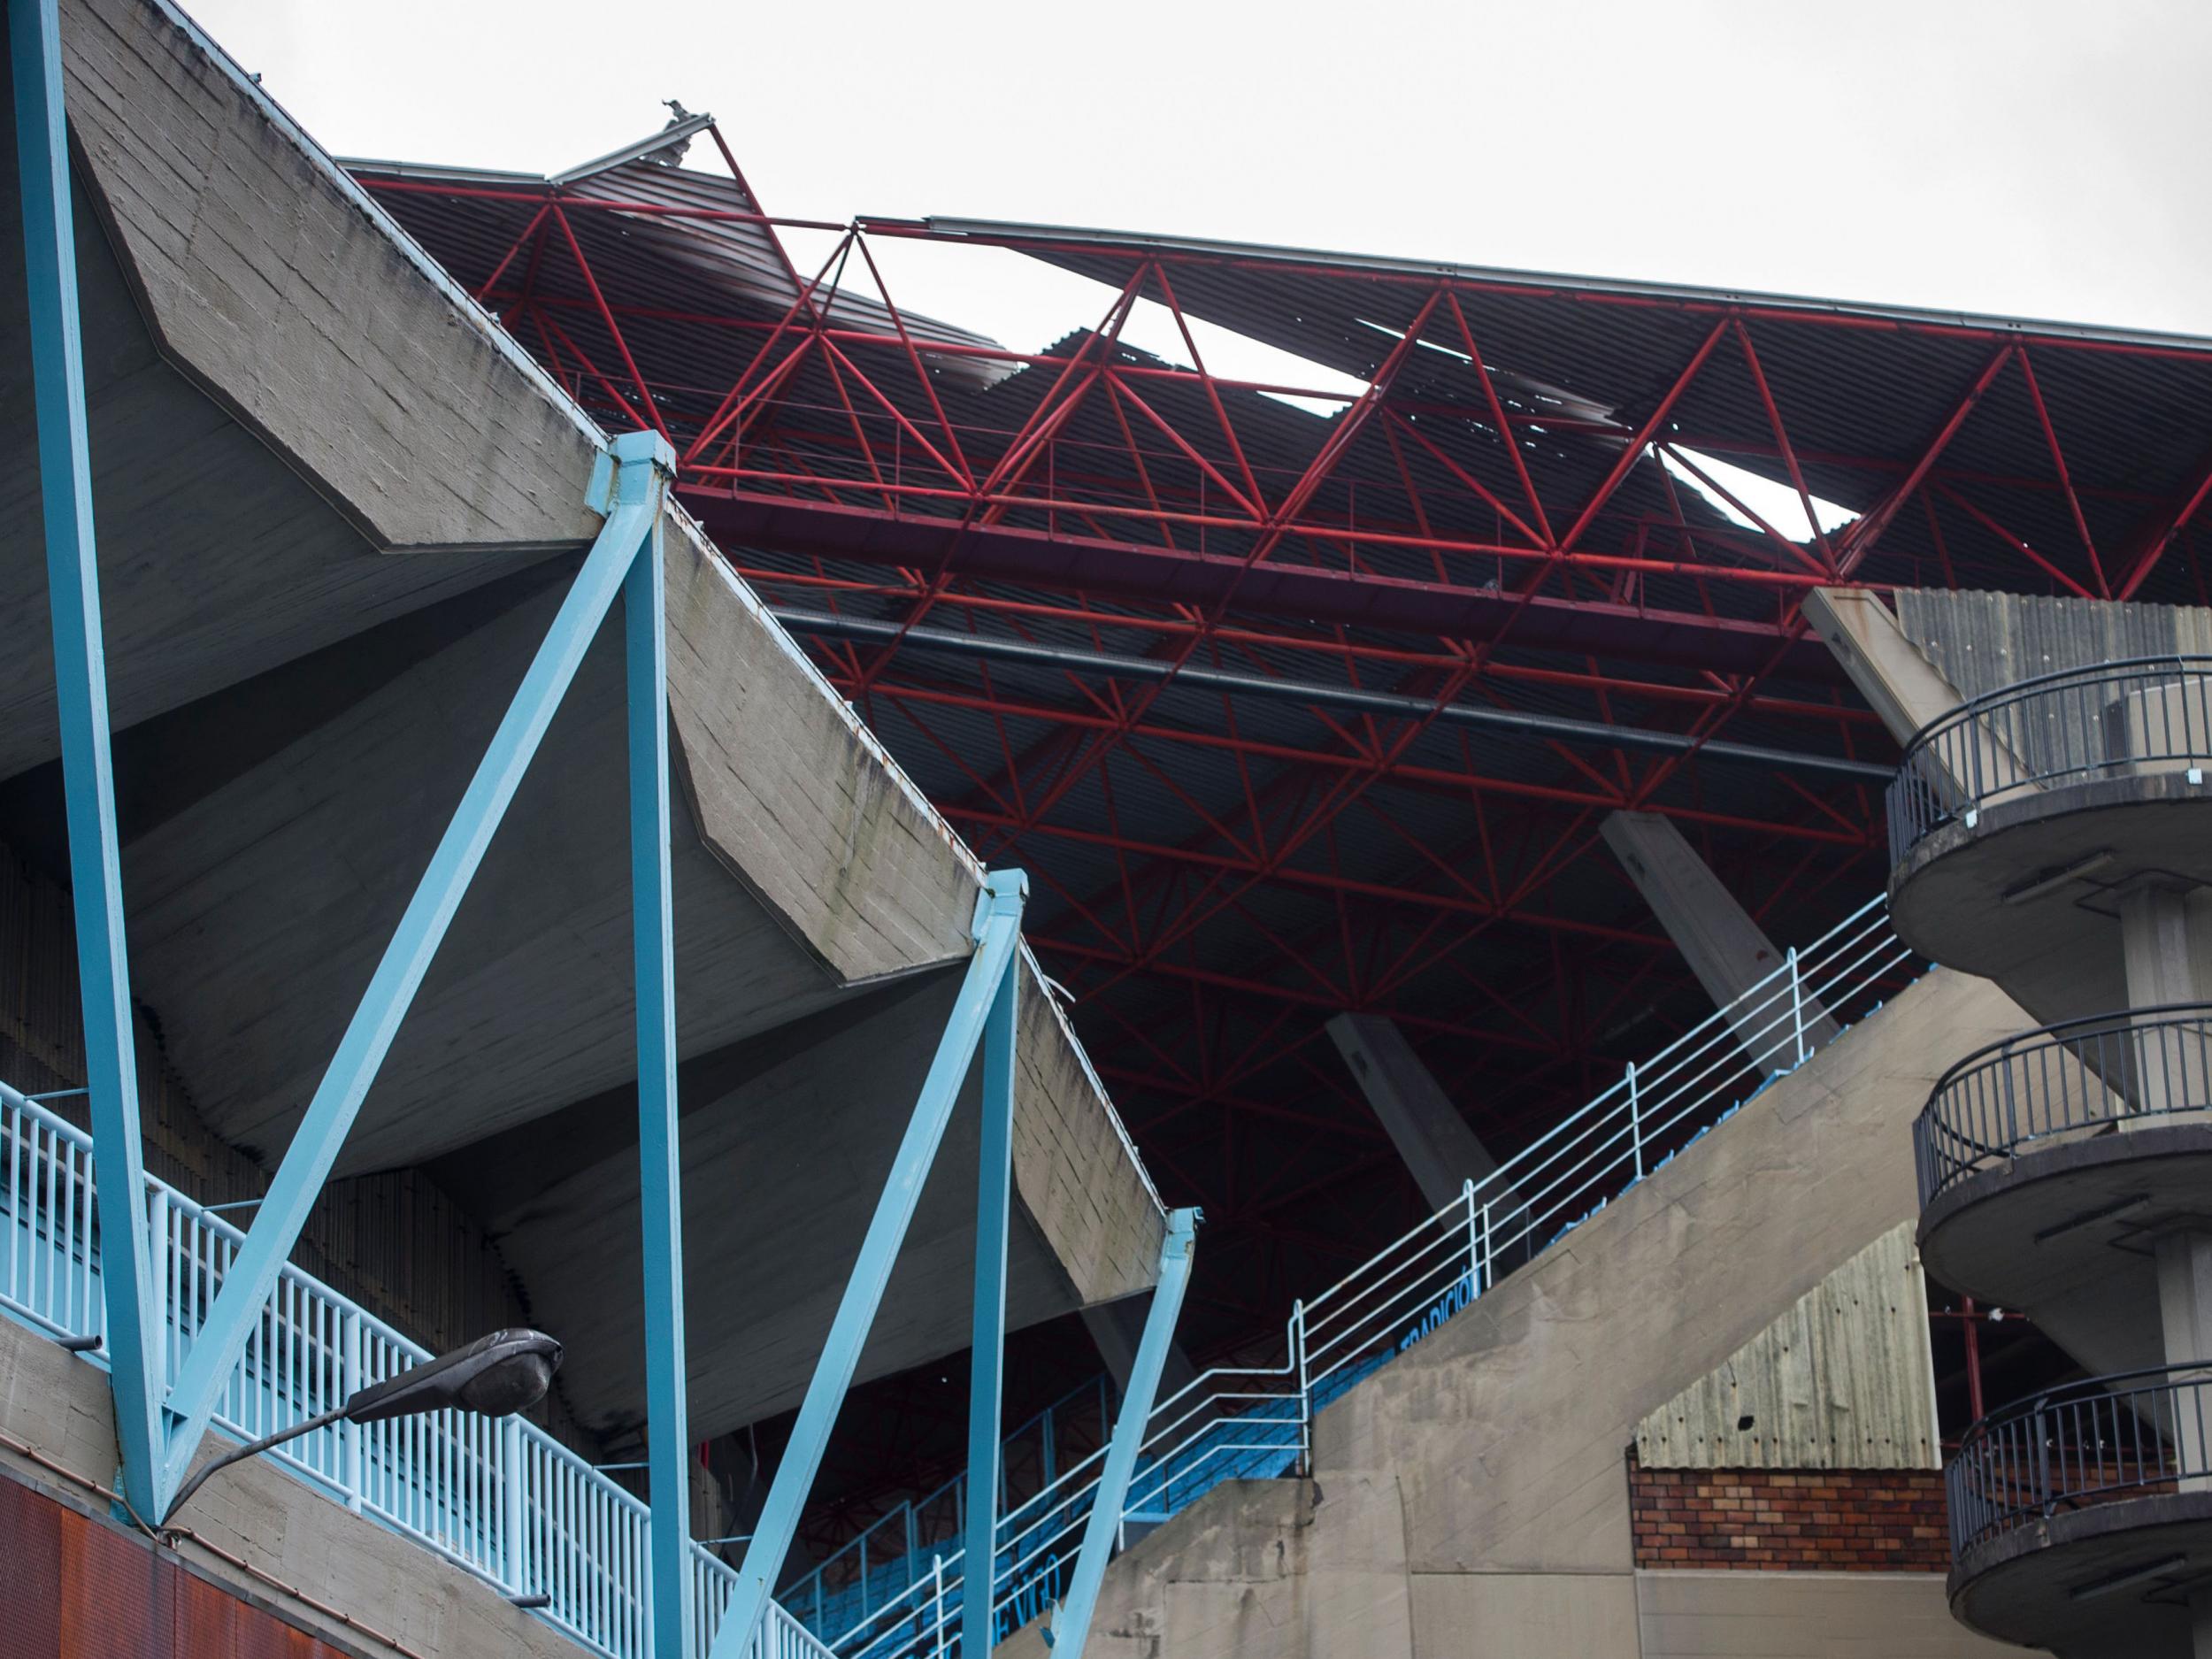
{"x": 1004, "y": 894}
{"x": 635, "y": 468}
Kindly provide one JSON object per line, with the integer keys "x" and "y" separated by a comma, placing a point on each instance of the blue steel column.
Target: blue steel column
{"x": 997, "y": 934}
{"x": 80, "y": 696}
{"x": 994, "y": 1205}
{"x": 399, "y": 973}
{"x": 1070, "y": 1625}
{"x": 660, "y": 1172}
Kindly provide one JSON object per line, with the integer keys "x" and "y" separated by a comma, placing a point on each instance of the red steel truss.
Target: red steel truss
{"x": 1488, "y": 519}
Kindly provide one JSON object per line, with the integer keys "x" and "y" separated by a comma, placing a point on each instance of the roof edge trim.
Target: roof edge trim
{"x": 1013, "y": 232}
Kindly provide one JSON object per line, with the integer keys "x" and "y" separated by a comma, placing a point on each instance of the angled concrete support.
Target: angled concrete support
{"x": 996, "y": 961}
{"x": 1899, "y": 684}
{"x": 1729, "y": 952}
{"x": 638, "y": 470}
{"x": 72, "y": 581}
{"x": 1069, "y": 1626}
{"x": 1439, "y": 1149}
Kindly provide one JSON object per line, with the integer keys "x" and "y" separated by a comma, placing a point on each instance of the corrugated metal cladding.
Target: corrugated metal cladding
{"x": 74, "y": 1588}
{"x": 1985, "y": 642}
{"x": 1843, "y": 1381}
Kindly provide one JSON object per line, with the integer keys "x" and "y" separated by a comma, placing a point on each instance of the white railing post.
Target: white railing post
{"x": 510, "y": 1495}
{"x": 937, "y": 1599}
{"x": 1305, "y": 1399}
{"x": 1485, "y": 1273}
{"x": 1635, "y": 1120}
{"x": 1797, "y": 1005}
{"x": 1474, "y": 1238}
{"x": 349, "y": 1431}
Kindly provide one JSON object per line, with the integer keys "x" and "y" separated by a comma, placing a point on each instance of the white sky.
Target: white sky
{"x": 2039, "y": 158}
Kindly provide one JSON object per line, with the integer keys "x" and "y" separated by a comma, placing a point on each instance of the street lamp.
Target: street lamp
{"x": 494, "y": 1375}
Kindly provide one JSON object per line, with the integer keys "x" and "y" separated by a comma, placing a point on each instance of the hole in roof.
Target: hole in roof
{"x": 1776, "y": 502}
{"x": 1028, "y": 305}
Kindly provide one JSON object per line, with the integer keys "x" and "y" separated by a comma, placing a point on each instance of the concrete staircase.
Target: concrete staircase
{"x": 1472, "y": 1496}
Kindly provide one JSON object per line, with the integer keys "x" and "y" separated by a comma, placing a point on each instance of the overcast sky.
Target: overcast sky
{"x": 2045, "y": 159}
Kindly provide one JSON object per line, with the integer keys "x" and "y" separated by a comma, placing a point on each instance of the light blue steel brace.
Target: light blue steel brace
{"x": 984, "y": 1014}
{"x": 993, "y": 1203}
{"x": 81, "y": 697}
{"x": 645, "y": 462}
{"x": 1069, "y": 1626}
{"x": 628, "y": 483}
{"x": 660, "y": 1171}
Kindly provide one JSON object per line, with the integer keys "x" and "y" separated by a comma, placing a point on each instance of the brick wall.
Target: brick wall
{"x": 1772, "y": 1520}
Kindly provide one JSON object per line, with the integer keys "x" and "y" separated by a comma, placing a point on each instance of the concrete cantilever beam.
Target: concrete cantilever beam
{"x": 337, "y": 508}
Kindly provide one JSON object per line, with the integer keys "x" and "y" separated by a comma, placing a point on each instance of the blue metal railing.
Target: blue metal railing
{"x": 1257, "y": 1423}
{"x": 509, "y": 1502}
{"x": 897, "y": 1550}
{"x": 501, "y": 1499}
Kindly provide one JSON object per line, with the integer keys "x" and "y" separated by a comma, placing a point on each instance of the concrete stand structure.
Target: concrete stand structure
{"x": 1430, "y": 1132}
{"x": 1728, "y": 952}
{"x": 339, "y": 515}
{"x": 439, "y": 898}
{"x": 2053, "y": 832}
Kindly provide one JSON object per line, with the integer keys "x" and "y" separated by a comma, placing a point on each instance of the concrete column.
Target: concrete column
{"x": 1728, "y": 952}
{"x": 2184, "y": 1309}
{"x": 2164, "y": 935}
{"x": 1900, "y": 683}
{"x": 1439, "y": 1149}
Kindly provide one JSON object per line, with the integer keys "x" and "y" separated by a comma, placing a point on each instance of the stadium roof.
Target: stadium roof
{"x": 1290, "y": 711}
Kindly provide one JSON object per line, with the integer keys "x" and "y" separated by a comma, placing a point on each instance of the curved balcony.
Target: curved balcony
{"x": 2037, "y": 1155}
{"x": 2013, "y": 809}
{"x": 2144, "y": 717}
{"x": 2076, "y": 1514}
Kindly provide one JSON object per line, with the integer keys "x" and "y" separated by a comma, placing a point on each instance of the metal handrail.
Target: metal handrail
{"x": 2073, "y": 723}
{"x": 2129, "y": 1435}
{"x": 1258, "y": 1421}
{"x": 2078, "y": 1077}
{"x": 502, "y": 1499}
{"x": 584, "y": 1542}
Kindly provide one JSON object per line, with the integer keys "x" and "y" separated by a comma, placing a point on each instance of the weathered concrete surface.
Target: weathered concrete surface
{"x": 267, "y": 279}
{"x": 787, "y": 1139}
{"x": 1482, "y": 1475}
{"x": 1275, "y": 1567}
{"x": 59, "y": 1405}
{"x": 1508, "y": 1425}
{"x": 217, "y": 561}
{"x": 1802, "y": 1615}
{"x": 1432, "y": 1138}
{"x": 791, "y": 795}
{"x": 1727, "y": 950}
{"x": 336, "y": 510}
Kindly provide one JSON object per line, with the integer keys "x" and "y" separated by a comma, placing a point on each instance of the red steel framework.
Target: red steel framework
{"x": 1457, "y": 530}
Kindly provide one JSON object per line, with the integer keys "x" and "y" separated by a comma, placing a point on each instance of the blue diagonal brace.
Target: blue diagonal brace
{"x": 80, "y": 696}
{"x": 997, "y": 934}
{"x": 1070, "y": 1624}
{"x": 994, "y": 1211}
{"x": 660, "y": 1172}
{"x": 642, "y": 459}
